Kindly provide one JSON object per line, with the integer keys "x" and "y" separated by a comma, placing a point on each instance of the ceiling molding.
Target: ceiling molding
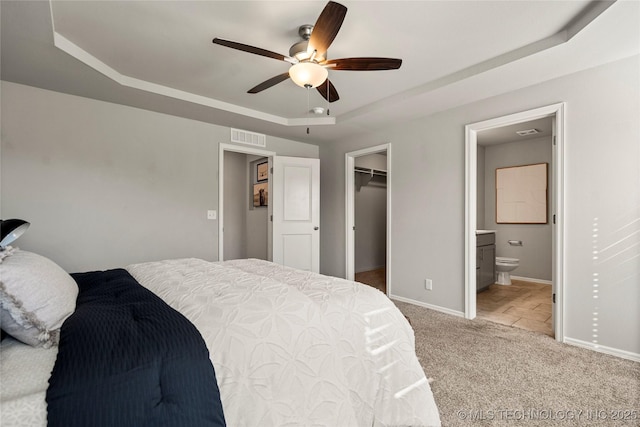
{"x": 85, "y": 57}
{"x": 570, "y": 30}
{"x": 96, "y": 76}
{"x": 563, "y": 36}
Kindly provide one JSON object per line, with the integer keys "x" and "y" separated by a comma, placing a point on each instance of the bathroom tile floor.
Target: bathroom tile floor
{"x": 524, "y": 305}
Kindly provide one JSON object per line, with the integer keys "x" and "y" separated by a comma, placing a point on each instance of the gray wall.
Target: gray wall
{"x": 105, "y": 185}
{"x": 371, "y": 217}
{"x": 602, "y": 177}
{"x": 236, "y": 189}
{"x": 535, "y": 252}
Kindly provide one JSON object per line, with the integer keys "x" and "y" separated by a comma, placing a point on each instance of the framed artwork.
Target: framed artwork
{"x": 260, "y": 194}
{"x": 521, "y": 194}
{"x": 262, "y": 172}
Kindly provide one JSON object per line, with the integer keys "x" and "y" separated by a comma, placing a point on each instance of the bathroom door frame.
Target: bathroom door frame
{"x": 350, "y": 195}
{"x": 557, "y": 113}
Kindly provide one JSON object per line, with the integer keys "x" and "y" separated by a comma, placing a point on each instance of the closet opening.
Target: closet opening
{"x": 368, "y": 217}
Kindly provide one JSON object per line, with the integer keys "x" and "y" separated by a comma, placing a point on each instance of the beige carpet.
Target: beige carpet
{"x": 487, "y": 374}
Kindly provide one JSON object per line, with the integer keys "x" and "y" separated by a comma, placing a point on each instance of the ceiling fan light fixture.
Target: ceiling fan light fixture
{"x": 309, "y": 56}
{"x": 308, "y": 74}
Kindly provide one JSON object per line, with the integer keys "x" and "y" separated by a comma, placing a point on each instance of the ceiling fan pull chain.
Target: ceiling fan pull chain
{"x": 328, "y": 111}
{"x": 308, "y": 108}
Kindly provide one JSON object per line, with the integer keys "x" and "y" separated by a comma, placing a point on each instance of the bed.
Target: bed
{"x": 288, "y": 347}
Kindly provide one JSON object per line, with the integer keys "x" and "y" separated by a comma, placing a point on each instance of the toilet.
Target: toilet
{"x": 505, "y": 265}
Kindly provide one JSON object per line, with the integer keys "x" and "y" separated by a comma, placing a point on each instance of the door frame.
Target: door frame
{"x": 350, "y": 209}
{"x": 245, "y": 150}
{"x": 557, "y": 112}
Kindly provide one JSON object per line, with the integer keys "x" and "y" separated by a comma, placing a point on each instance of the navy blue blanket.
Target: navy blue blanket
{"x": 126, "y": 358}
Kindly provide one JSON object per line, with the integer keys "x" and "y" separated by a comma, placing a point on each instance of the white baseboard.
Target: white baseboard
{"x": 603, "y": 349}
{"x": 571, "y": 341}
{"x": 529, "y": 279}
{"x": 429, "y": 306}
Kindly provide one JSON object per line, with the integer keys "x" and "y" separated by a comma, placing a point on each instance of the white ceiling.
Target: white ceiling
{"x": 506, "y": 134}
{"x": 159, "y": 55}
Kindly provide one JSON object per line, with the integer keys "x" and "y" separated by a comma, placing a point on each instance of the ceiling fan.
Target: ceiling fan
{"x": 308, "y": 57}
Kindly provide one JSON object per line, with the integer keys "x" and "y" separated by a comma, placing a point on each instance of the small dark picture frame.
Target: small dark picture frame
{"x": 260, "y": 194}
{"x": 262, "y": 172}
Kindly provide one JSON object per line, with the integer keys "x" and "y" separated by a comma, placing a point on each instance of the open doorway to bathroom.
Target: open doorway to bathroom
{"x": 368, "y": 200}
{"x": 518, "y": 292}
{"x": 533, "y": 251}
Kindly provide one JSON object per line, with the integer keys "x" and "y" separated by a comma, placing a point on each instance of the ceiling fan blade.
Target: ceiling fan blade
{"x": 327, "y": 26}
{"x": 268, "y": 83}
{"x": 364, "y": 64}
{"x": 251, "y": 49}
{"x": 332, "y": 95}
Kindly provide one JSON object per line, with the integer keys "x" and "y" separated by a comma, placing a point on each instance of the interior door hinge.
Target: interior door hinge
{"x": 554, "y": 140}
{"x": 554, "y": 298}
{"x": 271, "y": 171}
{"x": 554, "y": 218}
{"x": 271, "y": 218}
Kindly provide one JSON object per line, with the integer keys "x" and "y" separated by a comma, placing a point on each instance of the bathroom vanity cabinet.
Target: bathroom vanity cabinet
{"x": 485, "y": 260}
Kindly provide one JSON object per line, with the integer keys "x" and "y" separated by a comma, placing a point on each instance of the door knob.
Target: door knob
{"x": 316, "y": 228}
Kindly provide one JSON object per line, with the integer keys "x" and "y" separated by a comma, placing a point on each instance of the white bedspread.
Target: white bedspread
{"x": 297, "y": 348}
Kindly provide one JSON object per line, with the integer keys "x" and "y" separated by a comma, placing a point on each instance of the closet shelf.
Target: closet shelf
{"x": 369, "y": 176}
{"x": 370, "y": 171}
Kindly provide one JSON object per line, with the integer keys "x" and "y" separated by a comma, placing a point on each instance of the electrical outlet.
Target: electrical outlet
{"x": 428, "y": 284}
{"x": 211, "y": 215}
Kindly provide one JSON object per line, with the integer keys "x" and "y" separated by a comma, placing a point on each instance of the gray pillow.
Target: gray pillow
{"x": 36, "y": 296}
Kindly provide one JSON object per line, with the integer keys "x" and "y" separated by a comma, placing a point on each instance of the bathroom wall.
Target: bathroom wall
{"x": 535, "y": 253}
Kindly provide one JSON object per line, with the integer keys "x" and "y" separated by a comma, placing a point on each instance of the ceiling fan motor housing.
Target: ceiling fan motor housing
{"x": 300, "y": 51}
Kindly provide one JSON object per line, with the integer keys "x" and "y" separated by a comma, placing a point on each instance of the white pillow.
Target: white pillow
{"x": 36, "y": 296}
